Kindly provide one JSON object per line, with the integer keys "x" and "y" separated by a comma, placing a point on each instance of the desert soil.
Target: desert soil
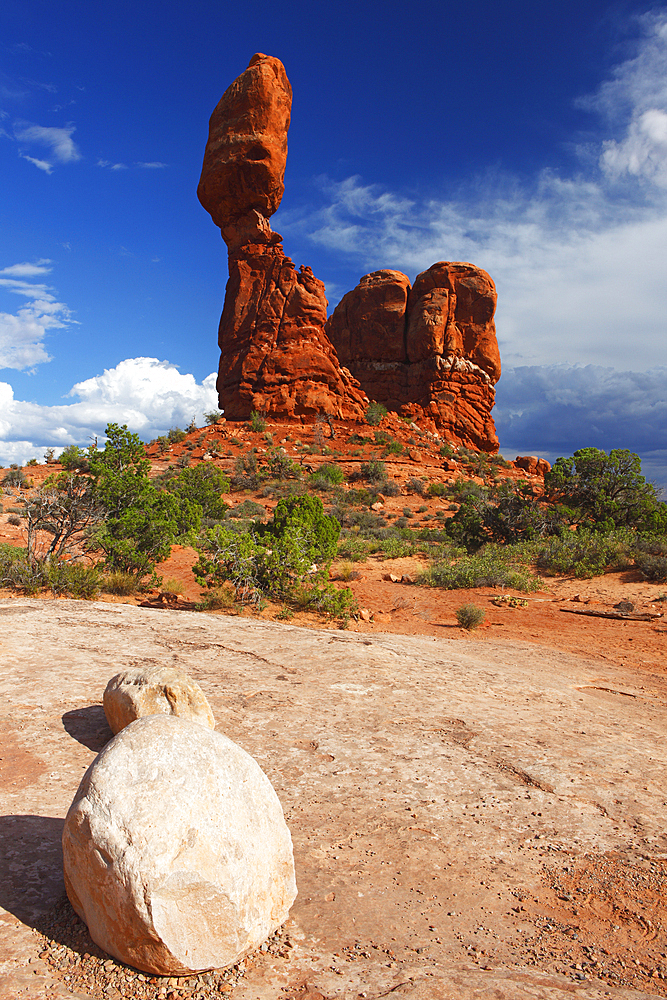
{"x": 473, "y": 814}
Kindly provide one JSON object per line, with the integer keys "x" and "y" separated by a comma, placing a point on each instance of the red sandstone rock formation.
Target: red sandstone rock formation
{"x": 430, "y": 351}
{"x": 275, "y": 356}
{"x": 533, "y": 465}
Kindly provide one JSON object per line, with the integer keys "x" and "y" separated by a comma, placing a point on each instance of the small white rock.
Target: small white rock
{"x": 155, "y": 690}
{"x": 176, "y": 851}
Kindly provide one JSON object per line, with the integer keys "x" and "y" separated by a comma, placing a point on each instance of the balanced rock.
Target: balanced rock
{"x": 176, "y": 851}
{"x": 274, "y": 355}
{"x": 155, "y": 690}
{"x": 428, "y": 351}
{"x": 246, "y": 153}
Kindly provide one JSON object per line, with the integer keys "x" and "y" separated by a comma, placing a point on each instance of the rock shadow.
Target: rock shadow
{"x": 31, "y": 866}
{"x": 88, "y": 726}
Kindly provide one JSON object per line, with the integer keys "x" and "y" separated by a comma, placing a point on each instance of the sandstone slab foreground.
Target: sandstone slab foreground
{"x": 468, "y": 820}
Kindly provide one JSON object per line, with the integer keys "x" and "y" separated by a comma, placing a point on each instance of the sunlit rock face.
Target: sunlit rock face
{"x": 274, "y": 355}
{"x": 428, "y": 350}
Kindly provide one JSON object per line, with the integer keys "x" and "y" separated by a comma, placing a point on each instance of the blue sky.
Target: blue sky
{"x": 530, "y": 139}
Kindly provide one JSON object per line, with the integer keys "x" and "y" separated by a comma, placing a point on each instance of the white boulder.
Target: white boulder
{"x": 142, "y": 691}
{"x": 176, "y": 851}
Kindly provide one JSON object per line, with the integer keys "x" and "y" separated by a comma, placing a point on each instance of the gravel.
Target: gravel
{"x": 80, "y": 964}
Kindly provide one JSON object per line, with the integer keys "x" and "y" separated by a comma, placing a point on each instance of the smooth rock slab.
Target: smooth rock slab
{"x": 176, "y": 851}
{"x": 143, "y": 691}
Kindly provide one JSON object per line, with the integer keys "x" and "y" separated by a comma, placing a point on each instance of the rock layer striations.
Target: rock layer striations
{"x": 429, "y": 350}
{"x": 275, "y": 357}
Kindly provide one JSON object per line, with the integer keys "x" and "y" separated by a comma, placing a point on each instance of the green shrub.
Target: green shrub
{"x": 492, "y": 567}
{"x": 288, "y": 558}
{"x": 119, "y": 583}
{"x": 375, "y": 413}
{"x": 202, "y": 484}
{"x": 281, "y": 466}
{"x": 257, "y": 422}
{"x": 598, "y": 489}
{"x": 332, "y": 474}
{"x": 415, "y": 485}
{"x": 436, "y": 489}
{"x": 585, "y": 553}
{"x": 31, "y": 461}
{"x": 213, "y": 417}
{"x": 74, "y": 579}
{"x": 246, "y": 509}
{"x": 469, "y": 616}
{"x": 217, "y": 599}
{"x": 14, "y": 519}
{"x": 176, "y": 435}
{"x": 15, "y": 477}
{"x": 651, "y": 558}
{"x": 373, "y": 471}
{"x": 72, "y": 457}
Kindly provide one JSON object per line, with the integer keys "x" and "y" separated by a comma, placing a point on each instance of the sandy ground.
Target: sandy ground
{"x": 471, "y": 818}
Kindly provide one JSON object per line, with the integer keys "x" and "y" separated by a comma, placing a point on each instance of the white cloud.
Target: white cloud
{"x": 40, "y": 164}
{"x": 22, "y": 333}
{"x": 153, "y": 165}
{"x": 58, "y": 141}
{"x": 111, "y": 166}
{"x": 148, "y": 395}
{"x": 578, "y": 260}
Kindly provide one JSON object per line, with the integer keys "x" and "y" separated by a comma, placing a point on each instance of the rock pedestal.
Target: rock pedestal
{"x": 176, "y": 851}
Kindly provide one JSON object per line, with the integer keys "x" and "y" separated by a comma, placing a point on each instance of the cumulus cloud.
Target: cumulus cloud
{"x": 22, "y": 333}
{"x": 148, "y": 395}
{"x": 58, "y": 141}
{"x": 553, "y": 410}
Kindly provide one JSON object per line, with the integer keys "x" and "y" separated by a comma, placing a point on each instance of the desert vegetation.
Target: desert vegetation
{"x": 269, "y": 525}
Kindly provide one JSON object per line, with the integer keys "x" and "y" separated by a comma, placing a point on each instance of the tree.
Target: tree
{"x": 141, "y": 521}
{"x": 598, "y": 489}
{"x": 65, "y": 510}
{"x": 205, "y": 485}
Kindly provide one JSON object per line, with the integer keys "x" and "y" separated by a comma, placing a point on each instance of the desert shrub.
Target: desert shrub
{"x": 176, "y": 435}
{"x": 505, "y": 514}
{"x": 415, "y": 485}
{"x": 14, "y": 519}
{"x": 407, "y": 512}
{"x": 446, "y": 450}
{"x": 74, "y": 579}
{"x": 15, "y": 477}
{"x": 354, "y": 548}
{"x": 373, "y": 471}
{"x": 436, "y": 489}
{"x": 202, "y": 484}
{"x": 217, "y": 599}
{"x": 288, "y": 558}
{"x": 246, "y": 473}
{"x": 422, "y": 509}
{"x": 246, "y": 509}
{"x": 119, "y": 583}
{"x": 491, "y": 567}
{"x": 172, "y": 586}
{"x": 31, "y": 461}
{"x": 651, "y": 558}
{"x": 389, "y": 488}
{"x": 257, "y": 422}
{"x": 585, "y": 553}
{"x": 281, "y": 466}
{"x": 469, "y": 616}
{"x": 393, "y": 448}
{"x": 213, "y": 417}
{"x": 330, "y": 473}
{"x": 375, "y": 413}
{"x": 72, "y": 457}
